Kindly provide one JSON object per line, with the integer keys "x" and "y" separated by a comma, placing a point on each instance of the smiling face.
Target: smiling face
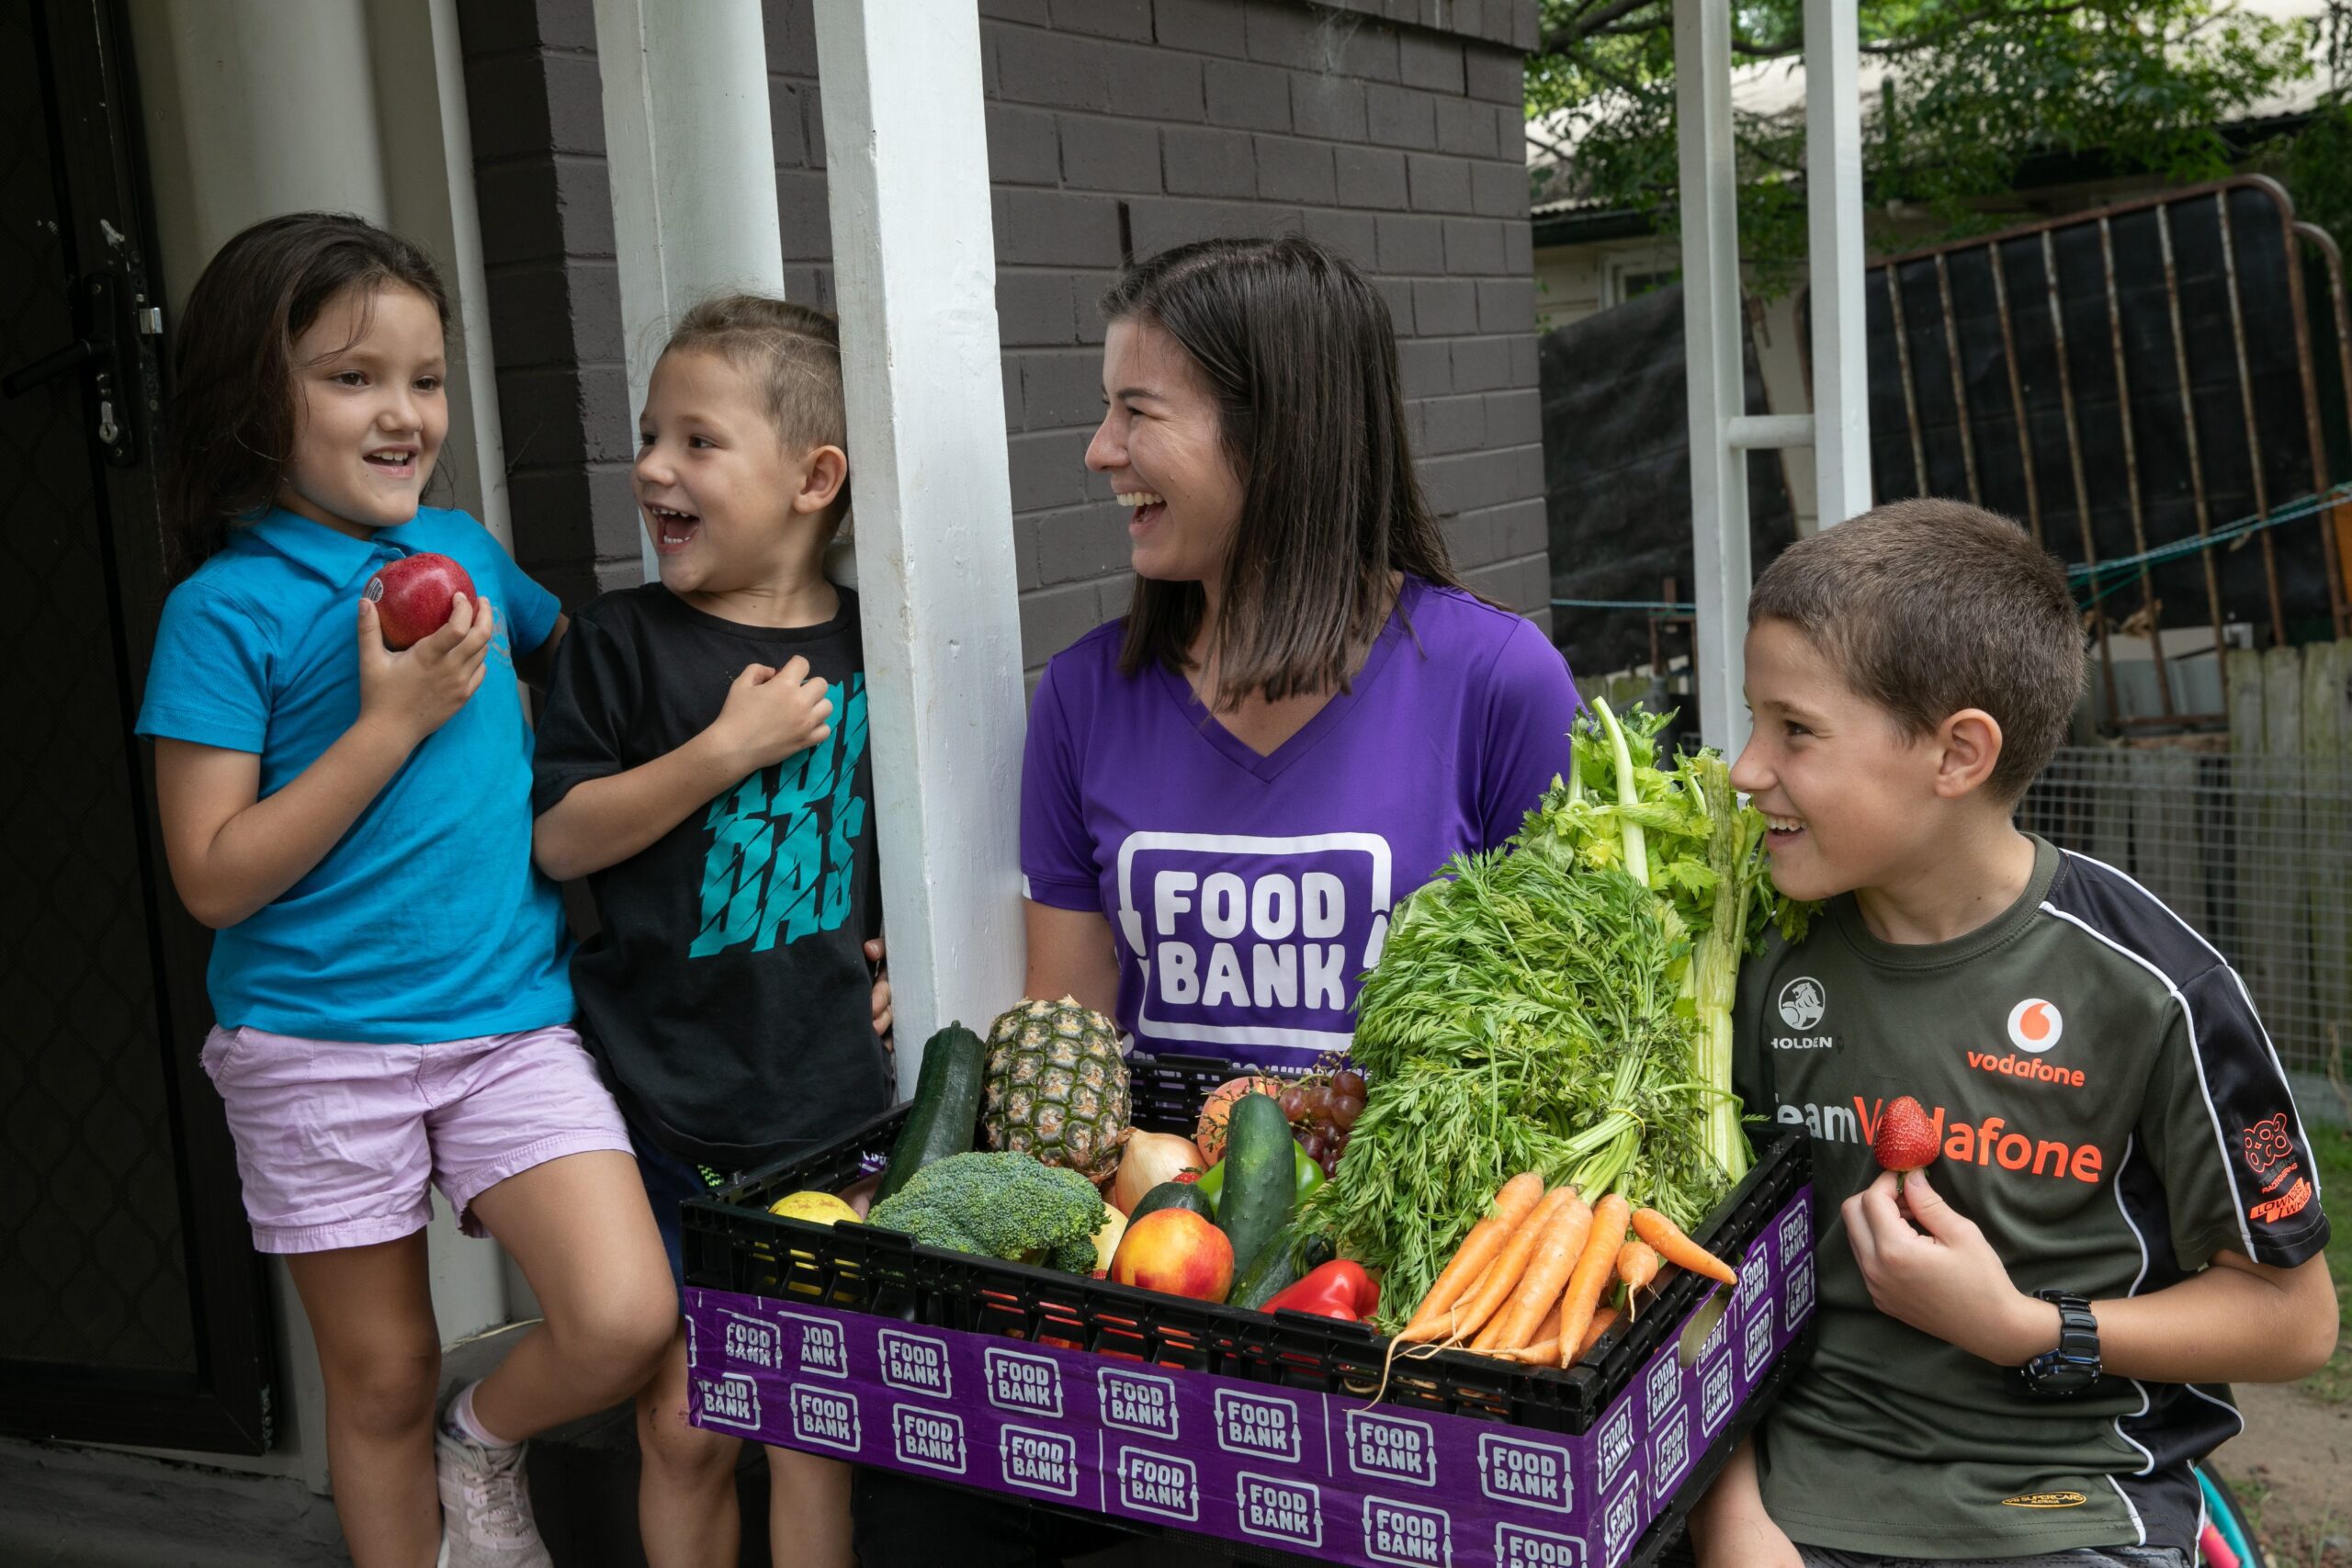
{"x": 1161, "y": 445}
{"x": 717, "y": 485}
{"x": 1852, "y": 801}
{"x": 370, "y": 410}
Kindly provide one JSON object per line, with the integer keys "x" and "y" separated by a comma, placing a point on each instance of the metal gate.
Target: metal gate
{"x": 131, "y": 1304}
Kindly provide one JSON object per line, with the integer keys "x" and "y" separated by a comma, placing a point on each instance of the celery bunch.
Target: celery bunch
{"x": 1677, "y": 826}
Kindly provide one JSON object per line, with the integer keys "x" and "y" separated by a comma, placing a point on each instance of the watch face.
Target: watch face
{"x": 2064, "y": 1377}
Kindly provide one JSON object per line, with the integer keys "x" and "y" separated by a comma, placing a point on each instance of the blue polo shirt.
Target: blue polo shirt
{"x": 427, "y": 920}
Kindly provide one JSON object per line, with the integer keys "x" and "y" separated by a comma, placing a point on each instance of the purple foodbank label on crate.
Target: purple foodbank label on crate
{"x": 1323, "y": 1475}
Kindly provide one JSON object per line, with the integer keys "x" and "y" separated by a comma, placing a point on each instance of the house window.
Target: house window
{"x": 1630, "y": 277}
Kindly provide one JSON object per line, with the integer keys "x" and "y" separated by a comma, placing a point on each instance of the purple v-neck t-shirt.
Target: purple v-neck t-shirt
{"x": 1248, "y": 895}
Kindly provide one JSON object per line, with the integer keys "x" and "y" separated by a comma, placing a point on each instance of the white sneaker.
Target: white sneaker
{"x": 485, "y": 1506}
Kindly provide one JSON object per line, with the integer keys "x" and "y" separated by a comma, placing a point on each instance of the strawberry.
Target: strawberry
{"x": 1905, "y": 1139}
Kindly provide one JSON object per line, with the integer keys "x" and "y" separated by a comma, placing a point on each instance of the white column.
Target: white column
{"x": 1711, "y": 347}
{"x": 1833, "y": 123}
{"x": 693, "y": 166}
{"x": 420, "y": 76}
{"x": 253, "y": 108}
{"x": 914, "y": 259}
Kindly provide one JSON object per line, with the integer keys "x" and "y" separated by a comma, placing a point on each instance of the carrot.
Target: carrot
{"x": 1477, "y": 1251}
{"x": 1549, "y": 1328}
{"x": 1675, "y": 1247}
{"x": 1469, "y": 1315}
{"x": 1637, "y": 1266}
{"x": 1547, "y": 1274}
{"x": 1592, "y": 1273}
{"x": 1546, "y": 1351}
{"x": 1601, "y": 1320}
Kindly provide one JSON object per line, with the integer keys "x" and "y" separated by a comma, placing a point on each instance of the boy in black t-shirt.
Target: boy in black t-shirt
{"x": 703, "y": 763}
{"x": 2023, "y": 1346}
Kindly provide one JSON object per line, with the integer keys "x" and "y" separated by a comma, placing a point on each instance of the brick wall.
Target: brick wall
{"x": 1116, "y": 129}
{"x": 536, "y": 106}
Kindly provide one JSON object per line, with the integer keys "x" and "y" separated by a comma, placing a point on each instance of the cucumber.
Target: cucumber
{"x": 1268, "y": 1278}
{"x": 1261, "y": 1177}
{"x": 947, "y": 1108}
{"x": 1173, "y": 1195}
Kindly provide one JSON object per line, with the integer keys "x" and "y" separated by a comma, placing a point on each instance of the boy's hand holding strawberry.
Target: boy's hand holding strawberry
{"x": 1942, "y": 1277}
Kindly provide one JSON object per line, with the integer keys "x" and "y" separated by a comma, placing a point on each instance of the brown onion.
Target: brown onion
{"x": 1146, "y": 1160}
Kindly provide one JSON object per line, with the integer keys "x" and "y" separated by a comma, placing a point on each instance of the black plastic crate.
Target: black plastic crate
{"x": 733, "y": 1244}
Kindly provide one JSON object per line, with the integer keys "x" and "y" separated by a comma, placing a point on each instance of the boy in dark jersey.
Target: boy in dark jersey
{"x": 2022, "y": 1350}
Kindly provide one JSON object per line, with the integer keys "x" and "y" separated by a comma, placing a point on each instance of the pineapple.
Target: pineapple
{"x": 1058, "y": 1086}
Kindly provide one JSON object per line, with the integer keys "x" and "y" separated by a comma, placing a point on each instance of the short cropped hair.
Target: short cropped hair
{"x": 793, "y": 354}
{"x": 1927, "y": 607}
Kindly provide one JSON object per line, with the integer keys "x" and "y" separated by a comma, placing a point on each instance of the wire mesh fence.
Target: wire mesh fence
{"x": 2254, "y": 851}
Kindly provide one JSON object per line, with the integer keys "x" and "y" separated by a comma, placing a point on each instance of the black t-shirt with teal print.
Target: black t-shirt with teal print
{"x": 2112, "y": 1113}
{"x": 727, "y": 994}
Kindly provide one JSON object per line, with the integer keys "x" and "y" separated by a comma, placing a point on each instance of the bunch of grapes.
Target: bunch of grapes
{"x": 1323, "y": 1108}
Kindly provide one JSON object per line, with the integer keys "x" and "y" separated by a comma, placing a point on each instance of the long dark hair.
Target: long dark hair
{"x": 232, "y": 429}
{"x": 1301, "y": 355}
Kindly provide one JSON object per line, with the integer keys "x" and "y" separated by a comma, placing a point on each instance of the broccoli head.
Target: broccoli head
{"x": 999, "y": 1205}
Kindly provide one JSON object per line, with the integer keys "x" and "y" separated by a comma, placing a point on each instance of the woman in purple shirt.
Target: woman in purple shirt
{"x": 1304, "y": 714}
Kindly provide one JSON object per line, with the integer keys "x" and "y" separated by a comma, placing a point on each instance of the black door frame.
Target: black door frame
{"x": 107, "y": 220}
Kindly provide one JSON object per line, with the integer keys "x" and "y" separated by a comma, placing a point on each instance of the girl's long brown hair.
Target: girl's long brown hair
{"x": 233, "y": 414}
{"x": 1300, "y": 352}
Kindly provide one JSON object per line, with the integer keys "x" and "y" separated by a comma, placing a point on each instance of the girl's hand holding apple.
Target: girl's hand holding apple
{"x": 417, "y": 691}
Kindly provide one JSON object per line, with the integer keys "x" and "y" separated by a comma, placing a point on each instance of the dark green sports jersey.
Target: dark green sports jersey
{"x": 2111, "y": 1114}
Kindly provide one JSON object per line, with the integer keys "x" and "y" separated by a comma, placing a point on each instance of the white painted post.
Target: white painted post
{"x": 914, "y": 259}
{"x": 692, "y": 163}
{"x": 1712, "y": 329}
{"x": 1833, "y": 128}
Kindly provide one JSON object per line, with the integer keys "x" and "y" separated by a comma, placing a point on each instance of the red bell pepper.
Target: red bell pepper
{"x": 1338, "y": 1289}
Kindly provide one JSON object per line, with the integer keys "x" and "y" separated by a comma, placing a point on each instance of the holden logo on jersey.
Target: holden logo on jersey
{"x": 2035, "y": 1025}
{"x": 1802, "y": 1002}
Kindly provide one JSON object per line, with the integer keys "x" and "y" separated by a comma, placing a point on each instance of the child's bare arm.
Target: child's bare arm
{"x": 231, "y": 852}
{"x": 538, "y": 667}
{"x": 1729, "y": 1527}
{"x": 2236, "y": 1322}
{"x": 768, "y": 715}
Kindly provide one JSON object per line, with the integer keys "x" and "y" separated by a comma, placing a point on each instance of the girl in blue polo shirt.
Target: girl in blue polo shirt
{"x": 388, "y": 974}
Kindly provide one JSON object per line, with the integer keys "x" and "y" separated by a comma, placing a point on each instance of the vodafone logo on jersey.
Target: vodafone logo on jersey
{"x": 2036, "y": 1025}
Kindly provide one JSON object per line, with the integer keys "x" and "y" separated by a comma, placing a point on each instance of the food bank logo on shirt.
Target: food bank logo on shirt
{"x": 1249, "y": 941}
{"x": 783, "y": 857}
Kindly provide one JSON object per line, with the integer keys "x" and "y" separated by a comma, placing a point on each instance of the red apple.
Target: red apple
{"x": 415, "y": 594}
{"x": 1177, "y": 1251}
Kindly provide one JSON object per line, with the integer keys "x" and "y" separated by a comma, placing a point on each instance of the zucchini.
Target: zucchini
{"x": 946, "y": 1112}
{"x": 1173, "y": 1195}
{"x": 1261, "y": 1177}
{"x": 1269, "y": 1276}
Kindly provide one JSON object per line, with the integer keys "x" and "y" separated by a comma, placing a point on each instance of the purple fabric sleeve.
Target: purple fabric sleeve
{"x": 1056, "y": 857}
{"x": 1528, "y": 692}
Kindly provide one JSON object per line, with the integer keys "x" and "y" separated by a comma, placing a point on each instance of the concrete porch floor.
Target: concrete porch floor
{"x": 64, "y": 1506}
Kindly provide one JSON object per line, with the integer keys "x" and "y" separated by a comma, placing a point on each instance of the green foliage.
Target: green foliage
{"x": 999, "y": 1205}
{"x": 1974, "y": 88}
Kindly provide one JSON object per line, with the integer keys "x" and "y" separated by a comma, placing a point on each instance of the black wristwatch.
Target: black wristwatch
{"x": 2073, "y": 1366}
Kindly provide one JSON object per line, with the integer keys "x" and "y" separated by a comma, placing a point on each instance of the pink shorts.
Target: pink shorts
{"x": 336, "y": 1140}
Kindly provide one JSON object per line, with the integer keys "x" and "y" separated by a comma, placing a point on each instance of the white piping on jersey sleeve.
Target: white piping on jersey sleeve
{"x": 2254, "y": 1012}
{"x": 2221, "y": 1139}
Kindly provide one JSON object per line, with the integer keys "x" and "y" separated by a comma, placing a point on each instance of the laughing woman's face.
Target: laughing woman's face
{"x": 1162, "y": 447}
